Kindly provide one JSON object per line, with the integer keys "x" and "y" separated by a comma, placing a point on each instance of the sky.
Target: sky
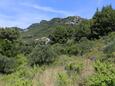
{"x": 22, "y": 13}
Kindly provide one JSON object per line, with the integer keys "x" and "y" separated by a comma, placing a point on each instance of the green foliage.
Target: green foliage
{"x": 61, "y": 34}
{"x": 82, "y": 30}
{"x": 85, "y": 45}
{"x": 10, "y": 34}
{"x": 9, "y": 48}
{"x": 59, "y": 48}
{"x": 42, "y": 54}
{"x": 26, "y": 48}
{"x": 7, "y": 65}
{"x": 80, "y": 48}
{"x": 22, "y": 77}
{"x": 72, "y": 49}
{"x": 110, "y": 48}
{"x": 74, "y": 67}
{"x": 63, "y": 80}
{"x": 110, "y": 38}
{"x": 21, "y": 60}
{"x": 45, "y": 28}
{"x": 105, "y": 75}
{"x": 9, "y": 45}
{"x": 103, "y": 21}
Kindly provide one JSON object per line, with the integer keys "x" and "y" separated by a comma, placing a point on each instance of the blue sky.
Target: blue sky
{"x": 22, "y": 13}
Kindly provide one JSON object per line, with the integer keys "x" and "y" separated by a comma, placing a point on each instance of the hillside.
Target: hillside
{"x": 44, "y": 28}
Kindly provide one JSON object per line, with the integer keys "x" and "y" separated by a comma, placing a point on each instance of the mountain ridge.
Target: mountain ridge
{"x": 44, "y": 28}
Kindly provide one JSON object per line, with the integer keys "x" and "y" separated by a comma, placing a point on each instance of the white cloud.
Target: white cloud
{"x": 48, "y": 9}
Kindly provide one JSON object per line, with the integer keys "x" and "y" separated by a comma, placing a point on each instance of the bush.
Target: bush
{"x": 80, "y": 48}
{"x": 42, "y": 54}
{"x": 7, "y": 65}
{"x": 109, "y": 38}
{"x": 24, "y": 76}
{"x": 85, "y": 46}
{"x": 82, "y": 30}
{"x": 10, "y": 34}
{"x": 61, "y": 34}
{"x": 72, "y": 49}
{"x": 59, "y": 48}
{"x": 74, "y": 67}
{"x": 25, "y": 48}
{"x": 110, "y": 48}
{"x": 9, "y": 49}
{"x": 63, "y": 80}
{"x": 105, "y": 75}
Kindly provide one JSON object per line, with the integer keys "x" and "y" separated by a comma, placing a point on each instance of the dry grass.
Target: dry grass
{"x": 88, "y": 69}
{"x": 2, "y": 83}
{"x": 48, "y": 77}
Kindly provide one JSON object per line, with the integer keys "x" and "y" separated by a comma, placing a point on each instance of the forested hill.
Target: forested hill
{"x": 44, "y": 28}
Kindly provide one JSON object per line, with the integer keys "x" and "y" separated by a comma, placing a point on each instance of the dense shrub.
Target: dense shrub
{"x": 79, "y": 48}
{"x": 110, "y": 48}
{"x": 7, "y": 65}
{"x": 24, "y": 76}
{"x": 61, "y": 34}
{"x": 42, "y": 54}
{"x": 9, "y": 49}
{"x": 10, "y": 34}
{"x": 109, "y": 38}
{"x": 74, "y": 67}
{"x": 59, "y": 48}
{"x": 105, "y": 75}
{"x": 72, "y": 49}
{"x": 25, "y": 48}
{"x": 85, "y": 45}
{"x": 82, "y": 30}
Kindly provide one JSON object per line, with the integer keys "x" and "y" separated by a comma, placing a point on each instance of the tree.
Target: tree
{"x": 10, "y": 34}
{"x": 61, "y": 34}
{"x": 103, "y": 21}
{"x": 9, "y": 42}
{"x": 82, "y": 30}
{"x": 7, "y": 65}
{"x": 9, "y": 49}
{"x": 9, "y": 45}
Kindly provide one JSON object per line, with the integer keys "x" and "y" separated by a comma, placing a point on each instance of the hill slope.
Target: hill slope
{"x": 44, "y": 28}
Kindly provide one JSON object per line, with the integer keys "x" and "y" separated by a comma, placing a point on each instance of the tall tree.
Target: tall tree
{"x": 103, "y": 21}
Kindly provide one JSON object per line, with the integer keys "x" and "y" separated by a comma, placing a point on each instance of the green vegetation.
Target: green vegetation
{"x": 42, "y": 54}
{"x": 105, "y": 75}
{"x": 103, "y": 21}
{"x": 61, "y": 52}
